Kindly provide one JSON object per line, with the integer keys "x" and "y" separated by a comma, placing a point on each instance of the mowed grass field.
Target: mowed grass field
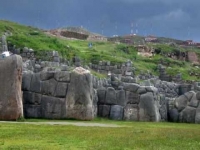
{"x": 128, "y": 136}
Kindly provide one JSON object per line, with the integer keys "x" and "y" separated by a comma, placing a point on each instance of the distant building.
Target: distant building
{"x": 97, "y": 38}
{"x": 191, "y": 43}
{"x": 150, "y": 38}
{"x": 127, "y": 39}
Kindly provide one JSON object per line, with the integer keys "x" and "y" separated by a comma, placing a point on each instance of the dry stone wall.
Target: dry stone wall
{"x": 59, "y": 94}
{"x": 133, "y": 102}
{"x": 185, "y": 108}
{"x": 105, "y": 67}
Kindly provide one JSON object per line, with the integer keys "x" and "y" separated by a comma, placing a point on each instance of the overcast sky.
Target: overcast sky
{"x": 170, "y": 18}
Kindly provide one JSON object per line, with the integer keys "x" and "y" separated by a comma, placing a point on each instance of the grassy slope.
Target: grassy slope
{"x": 36, "y": 39}
{"x": 159, "y": 136}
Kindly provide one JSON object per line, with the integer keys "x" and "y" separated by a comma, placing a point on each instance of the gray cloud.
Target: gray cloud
{"x": 174, "y": 18}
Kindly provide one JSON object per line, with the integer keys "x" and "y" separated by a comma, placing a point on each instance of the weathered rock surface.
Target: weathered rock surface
{"x": 62, "y": 76}
{"x": 79, "y": 99}
{"x": 35, "y": 83}
{"x": 131, "y": 112}
{"x": 173, "y": 115}
{"x": 32, "y": 111}
{"x": 26, "y": 81}
{"x": 11, "y": 107}
{"x": 116, "y": 112}
{"x": 181, "y": 102}
{"x": 121, "y": 97}
{"x": 52, "y": 108}
{"x": 188, "y": 115}
{"x": 148, "y": 108}
{"x": 104, "y": 111}
{"x": 111, "y": 96}
{"x": 197, "y": 117}
{"x": 101, "y": 95}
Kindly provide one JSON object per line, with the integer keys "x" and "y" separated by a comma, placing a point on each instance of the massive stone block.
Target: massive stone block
{"x": 32, "y": 111}
{"x": 163, "y": 108}
{"x": 111, "y": 96}
{"x": 188, "y": 115}
{"x": 62, "y": 76}
{"x": 35, "y": 83}
{"x": 121, "y": 98}
{"x": 31, "y": 98}
{"x": 173, "y": 115}
{"x": 116, "y": 112}
{"x": 53, "y": 108}
{"x": 11, "y": 107}
{"x": 131, "y": 87}
{"x": 104, "y": 111}
{"x": 131, "y": 112}
{"x": 181, "y": 102}
{"x": 101, "y": 95}
{"x": 148, "y": 108}
{"x": 26, "y": 81}
{"x": 48, "y": 87}
{"x": 61, "y": 89}
{"x": 132, "y": 98}
{"x": 193, "y": 101}
{"x": 46, "y": 75}
{"x": 79, "y": 99}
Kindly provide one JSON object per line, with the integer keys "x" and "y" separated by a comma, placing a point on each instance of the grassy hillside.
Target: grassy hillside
{"x": 26, "y": 36}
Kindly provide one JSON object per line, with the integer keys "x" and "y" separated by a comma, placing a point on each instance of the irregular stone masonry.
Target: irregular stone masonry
{"x": 185, "y": 108}
{"x": 45, "y": 95}
{"x": 135, "y": 102}
{"x": 51, "y": 94}
{"x": 29, "y": 54}
{"x": 120, "y": 69}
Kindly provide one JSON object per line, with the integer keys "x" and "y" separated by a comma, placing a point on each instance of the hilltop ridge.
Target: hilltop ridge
{"x": 167, "y": 52}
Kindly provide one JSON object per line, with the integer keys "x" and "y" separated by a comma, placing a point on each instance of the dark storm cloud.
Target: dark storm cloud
{"x": 174, "y": 18}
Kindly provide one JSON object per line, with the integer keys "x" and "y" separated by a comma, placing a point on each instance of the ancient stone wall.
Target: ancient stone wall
{"x": 185, "y": 108}
{"x": 76, "y": 35}
{"x": 59, "y": 94}
{"x": 105, "y": 67}
{"x": 133, "y": 102}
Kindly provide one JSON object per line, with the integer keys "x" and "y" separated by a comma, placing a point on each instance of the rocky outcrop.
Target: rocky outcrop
{"x": 11, "y": 107}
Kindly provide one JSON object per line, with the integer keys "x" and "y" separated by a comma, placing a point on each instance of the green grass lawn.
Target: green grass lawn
{"x": 131, "y": 135}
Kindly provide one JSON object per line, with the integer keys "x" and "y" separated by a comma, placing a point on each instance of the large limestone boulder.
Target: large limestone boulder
{"x": 79, "y": 99}
{"x": 11, "y": 107}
